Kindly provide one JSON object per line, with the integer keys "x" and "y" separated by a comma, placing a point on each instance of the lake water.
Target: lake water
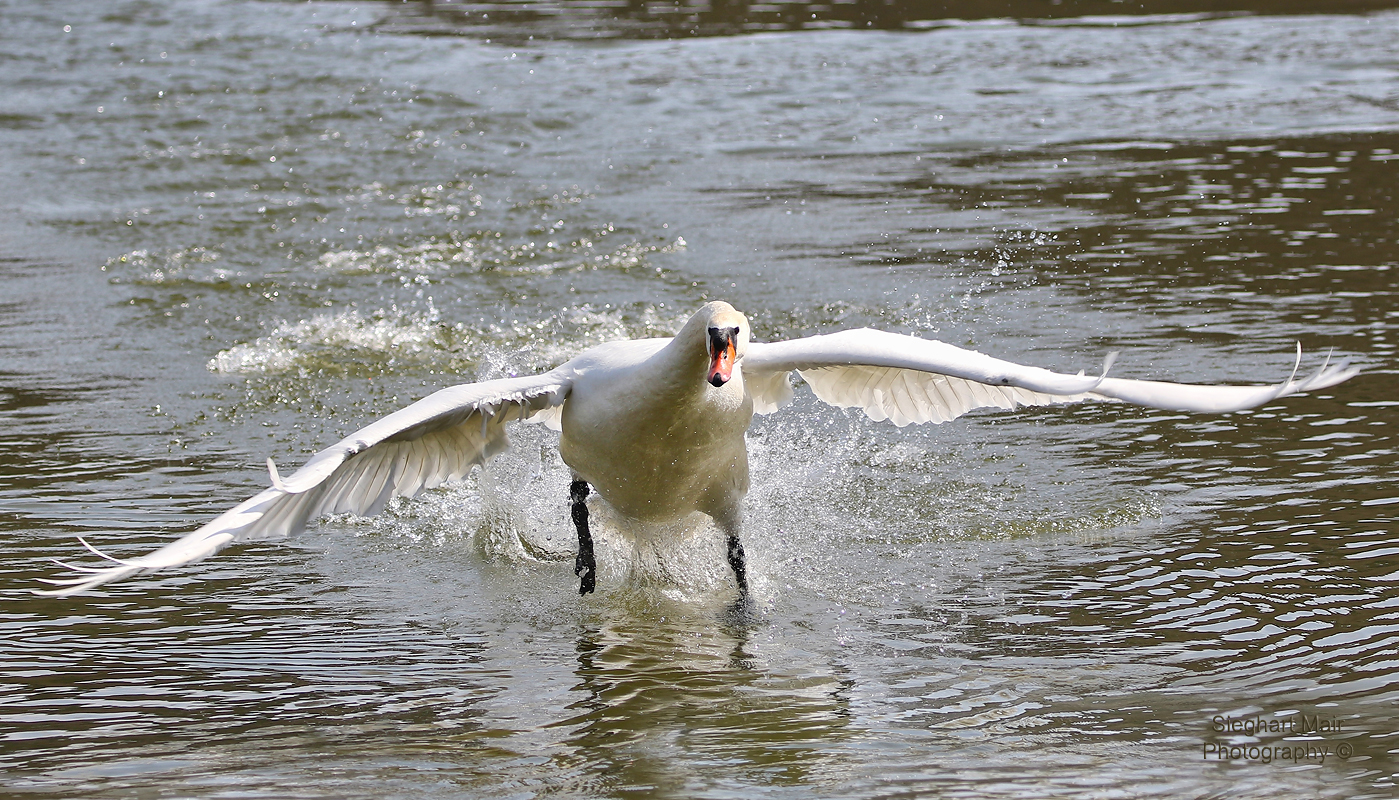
{"x": 232, "y": 230}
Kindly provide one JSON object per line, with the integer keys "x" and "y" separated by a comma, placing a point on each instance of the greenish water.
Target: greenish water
{"x": 237, "y": 229}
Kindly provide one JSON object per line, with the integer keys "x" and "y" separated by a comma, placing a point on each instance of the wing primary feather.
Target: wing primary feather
{"x": 359, "y": 493}
{"x": 356, "y": 482}
{"x": 949, "y": 398}
{"x": 432, "y": 463}
{"x": 101, "y": 554}
{"x": 368, "y": 489}
{"x": 72, "y": 580}
{"x": 460, "y": 465}
{"x": 965, "y": 401}
{"x": 441, "y": 460}
{"x": 275, "y": 476}
{"x": 280, "y": 518}
{"x": 411, "y": 466}
{"x": 447, "y": 458}
{"x": 75, "y": 568}
{"x": 379, "y": 474}
{"x": 338, "y": 486}
{"x": 383, "y": 476}
{"x": 426, "y": 457}
{"x": 79, "y": 581}
{"x": 385, "y": 495}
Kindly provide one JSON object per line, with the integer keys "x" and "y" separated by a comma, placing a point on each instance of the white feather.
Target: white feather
{"x": 908, "y": 380}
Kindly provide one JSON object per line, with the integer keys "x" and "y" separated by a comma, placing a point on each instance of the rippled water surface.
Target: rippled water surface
{"x": 236, "y": 229}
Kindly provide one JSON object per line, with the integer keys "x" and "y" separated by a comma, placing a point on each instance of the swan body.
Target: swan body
{"x": 657, "y": 427}
{"x": 665, "y": 451}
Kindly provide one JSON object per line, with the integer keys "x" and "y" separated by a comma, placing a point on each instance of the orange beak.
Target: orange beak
{"x": 722, "y": 352}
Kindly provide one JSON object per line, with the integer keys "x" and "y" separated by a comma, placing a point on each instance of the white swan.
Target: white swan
{"x": 657, "y": 427}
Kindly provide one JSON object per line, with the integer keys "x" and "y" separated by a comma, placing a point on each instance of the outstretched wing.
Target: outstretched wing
{"x": 909, "y": 380}
{"x": 435, "y": 440}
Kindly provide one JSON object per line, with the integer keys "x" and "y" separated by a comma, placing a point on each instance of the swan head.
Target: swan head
{"x": 725, "y": 333}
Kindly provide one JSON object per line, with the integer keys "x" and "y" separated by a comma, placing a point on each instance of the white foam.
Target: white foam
{"x": 292, "y": 345}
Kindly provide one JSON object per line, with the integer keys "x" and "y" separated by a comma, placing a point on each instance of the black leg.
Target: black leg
{"x": 739, "y": 564}
{"x": 585, "y": 565}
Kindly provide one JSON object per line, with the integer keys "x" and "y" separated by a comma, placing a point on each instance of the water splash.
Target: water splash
{"x": 327, "y": 341}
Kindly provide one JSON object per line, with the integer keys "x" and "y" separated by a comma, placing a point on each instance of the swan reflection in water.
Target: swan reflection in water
{"x": 676, "y": 679}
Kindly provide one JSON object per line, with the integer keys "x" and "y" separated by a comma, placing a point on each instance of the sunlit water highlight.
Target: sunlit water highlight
{"x": 238, "y": 229}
